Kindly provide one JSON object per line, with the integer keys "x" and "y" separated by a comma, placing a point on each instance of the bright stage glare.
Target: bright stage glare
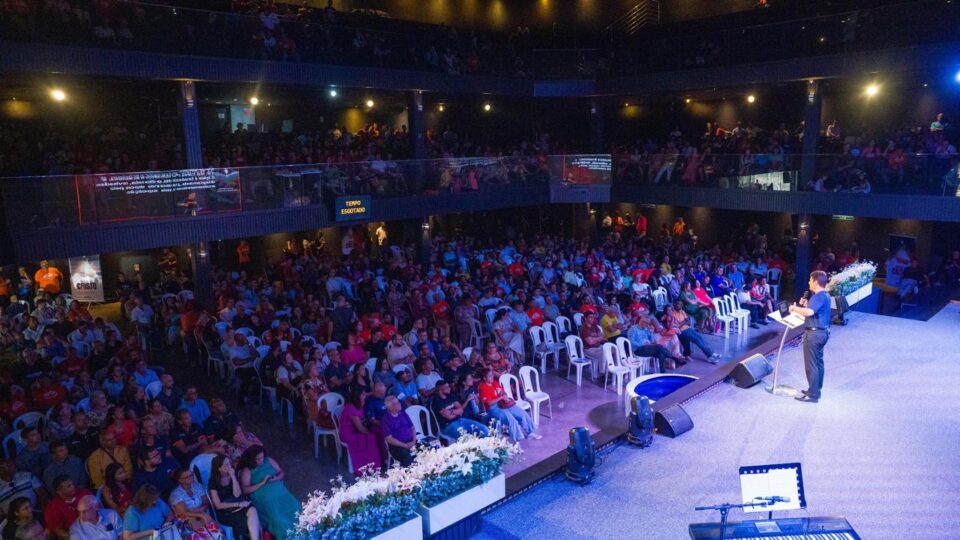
{"x": 333, "y": 93}
{"x": 751, "y": 98}
{"x": 58, "y": 95}
{"x": 872, "y": 90}
{"x": 440, "y": 108}
{"x": 487, "y": 107}
{"x": 957, "y": 76}
{"x": 254, "y": 100}
{"x": 370, "y": 104}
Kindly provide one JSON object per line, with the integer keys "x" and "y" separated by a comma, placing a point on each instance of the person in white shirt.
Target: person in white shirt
{"x": 142, "y": 313}
{"x": 94, "y": 522}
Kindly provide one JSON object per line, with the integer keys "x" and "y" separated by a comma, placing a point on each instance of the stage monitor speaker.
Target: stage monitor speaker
{"x": 749, "y": 371}
{"x": 672, "y": 421}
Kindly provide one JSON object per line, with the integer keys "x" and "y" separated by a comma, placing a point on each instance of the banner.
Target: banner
{"x": 138, "y": 195}
{"x": 86, "y": 279}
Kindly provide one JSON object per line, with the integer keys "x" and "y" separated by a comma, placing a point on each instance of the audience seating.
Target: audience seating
{"x": 611, "y": 356}
{"x": 576, "y": 358}
{"x": 533, "y": 393}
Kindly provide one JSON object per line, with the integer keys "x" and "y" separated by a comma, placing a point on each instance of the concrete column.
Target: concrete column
{"x": 190, "y": 117}
{"x": 811, "y": 134}
{"x": 804, "y": 255}
{"x": 417, "y": 124}
{"x": 597, "y": 139}
{"x": 202, "y": 274}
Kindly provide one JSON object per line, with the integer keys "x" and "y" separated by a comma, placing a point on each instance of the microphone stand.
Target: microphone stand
{"x": 724, "y": 509}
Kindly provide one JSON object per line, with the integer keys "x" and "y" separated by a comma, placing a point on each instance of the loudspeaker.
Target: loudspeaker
{"x": 672, "y": 421}
{"x": 749, "y": 371}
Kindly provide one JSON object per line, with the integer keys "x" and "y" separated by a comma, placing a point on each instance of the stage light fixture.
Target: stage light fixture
{"x": 688, "y": 100}
{"x": 440, "y": 108}
{"x": 751, "y": 98}
{"x": 58, "y": 94}
{"x": 957, "y": 77}
{"x": 370, "y": 103}
{"x": 333, "y": 93}
{"x": 254, "y": 100}
{"x": 872, "y": 90}
{"x": 487, "y": 107}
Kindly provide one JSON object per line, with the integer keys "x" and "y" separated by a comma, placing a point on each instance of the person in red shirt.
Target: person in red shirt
{"x": 14, "y": 403}
{"x": 48, "y": 393}
{"x": 516, "y": 269}
{"x": 388, "y": 329}
{"x": 535, "y": 313}
{"x": 61, "y": 511}
{"x": 504, "y": 409}
{"x": 442, "y": 314}
{"x": 72, "y": 364}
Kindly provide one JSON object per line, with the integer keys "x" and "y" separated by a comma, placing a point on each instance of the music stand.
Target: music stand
{"x": 781, "y": 480}
{"x": 789, "y": 321}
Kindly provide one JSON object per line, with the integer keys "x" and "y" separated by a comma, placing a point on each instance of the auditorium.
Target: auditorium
{"x": 488, "y": 269}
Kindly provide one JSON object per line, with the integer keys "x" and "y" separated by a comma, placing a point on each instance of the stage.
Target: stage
{"x": 602, "y": 411}
{"x": 880, "y": 448}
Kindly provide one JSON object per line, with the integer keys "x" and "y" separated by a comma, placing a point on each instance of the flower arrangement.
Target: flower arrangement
{"x": 376, "y": 503}
{"x": 851, "y": 278}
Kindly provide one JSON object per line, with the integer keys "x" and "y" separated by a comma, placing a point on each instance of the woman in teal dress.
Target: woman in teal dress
{"x": 262, "y": 479}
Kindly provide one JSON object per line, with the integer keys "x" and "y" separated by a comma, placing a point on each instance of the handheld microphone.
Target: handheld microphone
{"x": 806, "y": 295}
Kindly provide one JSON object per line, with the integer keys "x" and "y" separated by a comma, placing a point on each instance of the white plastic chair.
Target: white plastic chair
{"x": 660, "y": 297}
{"x": 263, "y": 351}
{"x": 334, "y": 403}
{"x": 741, "y": 315}
{"x": 153, "y": 389}
{"x": 773, "y": 281}
{"x": 578, "y": 319}
{"x": 512, "y": 388}
{"x": 256, "y": 342}
{"x": 201, "y": 466}
{"x": 723, "y": 316}
{"x": 576, "y": 358}
{"x": 611, "y": 357}
{"x": 552, "y": 341}
{"x": 533, "y": 393}
{"x": 423, "y": 422}
{"x": 564, "y": 325}
{"x": 14, "y": 440}
{"x": 222, "y": 327}
{"x": 540, "y": 349}
{"x": 84, "y": 405}
{"x": 331, "y": 345}
{"x": 476, "y": 334}
{"x": 633, "y": 361}
{"x": 271, "y": 391}
{"x": 215, "y": 361}
{"x": 308, "y": 342}
{"x": 245, "y": 331}
{"x": 29, "y": 419}
{"x": 467, "y": 351}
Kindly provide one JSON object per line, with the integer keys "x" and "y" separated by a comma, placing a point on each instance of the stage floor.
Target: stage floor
{"x": 881, "y": 448}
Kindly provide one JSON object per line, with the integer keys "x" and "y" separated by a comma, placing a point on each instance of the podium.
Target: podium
{"x": 789, "y": 322}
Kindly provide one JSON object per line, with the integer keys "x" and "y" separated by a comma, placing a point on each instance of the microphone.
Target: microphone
{"x": 806, "y": 295}
{"x": 775, "y": 499}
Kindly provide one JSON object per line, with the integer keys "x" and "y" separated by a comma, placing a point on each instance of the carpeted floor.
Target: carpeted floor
{"x": 881, "y": 448}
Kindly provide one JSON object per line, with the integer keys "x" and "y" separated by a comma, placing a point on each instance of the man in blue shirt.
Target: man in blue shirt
{"x": 816, "y": 333}
{"x": 197, "y": 407}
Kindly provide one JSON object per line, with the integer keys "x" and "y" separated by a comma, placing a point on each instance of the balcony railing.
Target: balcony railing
{"x": 97, "y": 199}
{"x": 894, "y": 173}
{"x": 32, "y": 203}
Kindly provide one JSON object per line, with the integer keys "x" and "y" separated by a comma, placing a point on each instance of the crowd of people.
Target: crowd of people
{"x": 101, "y": 439}
{"x": 36, "y": 148}
{"x": 264, "y": 30}
{"x": 859, "y": 161}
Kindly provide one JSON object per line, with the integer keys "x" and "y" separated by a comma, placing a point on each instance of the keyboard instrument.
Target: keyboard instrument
{"x": 812, "y": 528}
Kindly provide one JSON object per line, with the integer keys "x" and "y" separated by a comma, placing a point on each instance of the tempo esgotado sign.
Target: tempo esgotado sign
{"x": 356, "y": 207}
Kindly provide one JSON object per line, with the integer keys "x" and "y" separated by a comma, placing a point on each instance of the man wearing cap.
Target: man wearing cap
{"x": 94, "y": 522}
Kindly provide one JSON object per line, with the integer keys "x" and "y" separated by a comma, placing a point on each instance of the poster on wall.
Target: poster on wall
{"x": 86, "y": 279}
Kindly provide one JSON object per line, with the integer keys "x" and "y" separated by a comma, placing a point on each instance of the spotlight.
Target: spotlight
{"x": 626, "y": 104}
{"x": 688, "y": 100}
{"x": 872, "y": 90}
{"x": 254, "y": 100}
{"x": 751, "y": 98}
{"x": 440, "y": 108}
{"x": 58, "y": 95}
{"x": 333, "y": 93}
{"x": 370, "y": 103}
{"x": 957, "y": 77}
{"x": 487, "y": 107}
